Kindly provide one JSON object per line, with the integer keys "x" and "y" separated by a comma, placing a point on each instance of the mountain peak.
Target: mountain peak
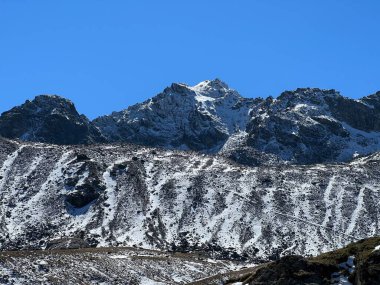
{"x": 51, "y": 97}
{"x": 199, "y": 117}
{"x": 212, "y": 88}
{"x": 49, "y": 103}
{"x": 208, "y": 88}
{"x": 216, "y": 84}
{"x": 50, "y": 119}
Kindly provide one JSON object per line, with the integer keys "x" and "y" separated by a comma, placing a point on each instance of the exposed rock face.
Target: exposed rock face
{"x": 363, "y": 114}
{"x": 49, "y": 119}
{"x": 84, "y": 184}
{"x": 182, "y": 201}
{"x": 199, "y": 118}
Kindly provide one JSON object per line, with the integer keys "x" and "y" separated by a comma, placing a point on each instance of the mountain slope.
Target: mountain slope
{"x": 50, "y": 119}
{"x": 129, "y": 195}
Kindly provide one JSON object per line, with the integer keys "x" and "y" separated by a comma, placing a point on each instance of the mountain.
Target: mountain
{"x": 200, "y": 174}
{"x": 304, "y": 126}
{"x": 199, "y": 118}
{"x": 127, "y": 195}
{"x": 48, "y": 119}
{"x": 311, "y": 125}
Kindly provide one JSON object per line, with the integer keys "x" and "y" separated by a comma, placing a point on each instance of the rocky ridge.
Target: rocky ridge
{"x": 311, "y": 125}
{"x": 304, "y": 126}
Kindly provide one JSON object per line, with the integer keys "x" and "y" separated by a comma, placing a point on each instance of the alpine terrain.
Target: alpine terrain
{"x": 197, "y": 185}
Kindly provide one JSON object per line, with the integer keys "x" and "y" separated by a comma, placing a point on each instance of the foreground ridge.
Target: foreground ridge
{"x": 358, "y": 263}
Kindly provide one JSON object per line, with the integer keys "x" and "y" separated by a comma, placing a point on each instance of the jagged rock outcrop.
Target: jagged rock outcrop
{"x": 369, "y": 270}
{"x": 48, "y": 119}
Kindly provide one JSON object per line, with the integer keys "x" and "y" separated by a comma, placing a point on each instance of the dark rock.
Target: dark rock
{"x": 82, "y": 197}
{"x": 310, "y": 125}
{"x": 293, "y": 270}
{"x": 82, "y": 157}
{"x": 368, "y": 271}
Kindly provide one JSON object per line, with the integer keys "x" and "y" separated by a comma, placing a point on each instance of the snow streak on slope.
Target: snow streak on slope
{"x": 172, "y": 200}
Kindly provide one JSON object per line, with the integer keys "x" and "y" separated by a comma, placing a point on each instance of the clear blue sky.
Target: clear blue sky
{"x": 108, "y": 54}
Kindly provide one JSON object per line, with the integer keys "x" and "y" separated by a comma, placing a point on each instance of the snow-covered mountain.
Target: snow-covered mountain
{"x": 304, "y": 126}
{"x": 205, "y": 170}
{"x": 200, "y": 118}
{"x": 50, "y": 119}
{"x": 135, "y": 196}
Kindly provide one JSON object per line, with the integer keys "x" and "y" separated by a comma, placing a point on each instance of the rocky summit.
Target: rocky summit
{"x": 48, "y": 119}
{"x": 200, "y": 118}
